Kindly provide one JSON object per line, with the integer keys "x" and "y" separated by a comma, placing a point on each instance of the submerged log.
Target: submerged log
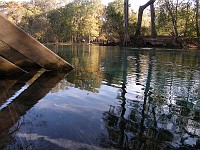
{"x": 30, "y": 48}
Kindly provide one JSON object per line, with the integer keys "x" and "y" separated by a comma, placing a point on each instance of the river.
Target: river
{"x": 115, "y": 98}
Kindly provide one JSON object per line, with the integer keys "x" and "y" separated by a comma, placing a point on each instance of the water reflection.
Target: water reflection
{"x": 115, "y": 98}
{"x": 31, "y": 88}
{"x": 161, "y": 107}
{"x": 116, "y": 125}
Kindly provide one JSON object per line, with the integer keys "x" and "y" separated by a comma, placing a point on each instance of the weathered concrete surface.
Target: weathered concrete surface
{"x": 8, "y": 68}
{"x": 29, "y": 47}
{"x": 17, "y": 58}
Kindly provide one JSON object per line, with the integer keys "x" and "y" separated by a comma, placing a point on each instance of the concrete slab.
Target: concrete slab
{"x": 30, "y": 47}
{"x": 17, "y": 58}
{"x": 8, "y": 68}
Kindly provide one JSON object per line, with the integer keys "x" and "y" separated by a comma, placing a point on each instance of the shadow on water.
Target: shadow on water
{"x": 31, "y": 88}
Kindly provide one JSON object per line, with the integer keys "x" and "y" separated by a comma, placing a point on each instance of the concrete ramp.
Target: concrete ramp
{"x": 7, "y": 67}
{"x": 24, "y": 52}
{"x": 17, "y": 58}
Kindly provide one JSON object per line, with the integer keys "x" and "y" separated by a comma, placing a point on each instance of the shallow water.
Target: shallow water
{"x": 115, "y": 98}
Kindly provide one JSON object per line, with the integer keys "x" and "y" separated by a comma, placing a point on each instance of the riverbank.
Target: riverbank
{"x": 165, "y": 42}
{"x": 147, "y": 41}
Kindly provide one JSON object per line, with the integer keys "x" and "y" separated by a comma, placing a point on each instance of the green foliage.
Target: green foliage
{"x": 77, "y": 20}
{"x": 15, "y": 11}
{"x": 32, "y": 19}
{"x": 115, "y": 19}
{"x": 45, "y": 5}
{"x": 89, "y": 20}
{"x": 183, "y": 14}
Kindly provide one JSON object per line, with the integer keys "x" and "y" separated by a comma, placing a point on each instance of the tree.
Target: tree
{"x": 90, "y": 19}
{"x": 57, "y": 22}
{"x": 177, "y": 18}
{"x": 174, "y": 18}
{"x": 153, "y": 25}
{"x": 132, "y": 22}
{"x": 114, "y": 24}
{"x": 126, "y": 18}
{"x": 140, "y": 14}
{"x": 187, "y": 18}
{"x": 197, "y": 17}
{"x": 14, "y": 11}
{"x": 173, "y": 13}
{"x": 45, "y": 5}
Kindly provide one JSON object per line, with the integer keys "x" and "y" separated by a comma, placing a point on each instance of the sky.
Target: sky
{"x": 134, "y": 3}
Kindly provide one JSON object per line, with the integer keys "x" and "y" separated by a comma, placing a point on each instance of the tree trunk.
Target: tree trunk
{"x": 173, "y": 15}
{"x": 126, "y": 35}
{"x": 197, "y": 18}
{"x": 140, "y": 14}
{"x": 89, "y": 39}
{"x": 153, "y": 25}
{"x": 187, "y": 19}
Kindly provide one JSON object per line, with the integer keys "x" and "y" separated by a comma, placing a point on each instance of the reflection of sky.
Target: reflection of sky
{"x": 59, "y": 144}
{"x": 72, "y": 115}
{"x": 69, "y": 115}
{"x": 75, "y": 98}
{"x": 13, "y": 97}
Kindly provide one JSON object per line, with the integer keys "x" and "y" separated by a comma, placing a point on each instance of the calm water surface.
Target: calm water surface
{"x": 115, "y": 98}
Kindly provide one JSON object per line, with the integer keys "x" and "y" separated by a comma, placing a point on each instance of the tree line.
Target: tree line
{"x": 90, "y": 20}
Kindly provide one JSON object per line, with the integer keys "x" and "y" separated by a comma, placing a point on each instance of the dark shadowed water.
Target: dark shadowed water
{"x": 115, "y": 98}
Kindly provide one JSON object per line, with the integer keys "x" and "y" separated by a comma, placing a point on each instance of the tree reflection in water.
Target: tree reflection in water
{"x": 165, "y": 115}
{"x": 116, "y": 124}
{"x": 156, "y": 107}
{"x": 147, "y": 126}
